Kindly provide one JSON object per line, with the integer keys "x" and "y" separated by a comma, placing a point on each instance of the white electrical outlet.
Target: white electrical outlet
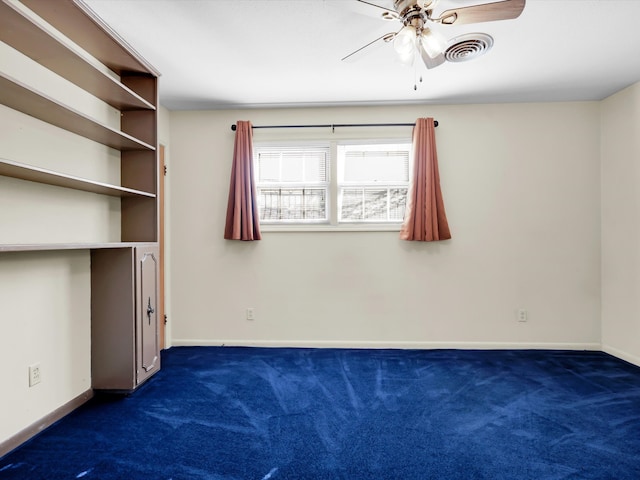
{"x": 250, "y": 314}
{"x": 522, "y": 315}
{"x": 35, "y": 375}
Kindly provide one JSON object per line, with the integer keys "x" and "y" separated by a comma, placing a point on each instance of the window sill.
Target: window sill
{"x": 268, "y": 228}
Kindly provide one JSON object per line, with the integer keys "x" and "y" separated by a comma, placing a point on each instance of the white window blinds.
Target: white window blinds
{"x": 292, "y": 182}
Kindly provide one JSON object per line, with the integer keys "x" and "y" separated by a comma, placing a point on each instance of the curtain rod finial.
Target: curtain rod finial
{"x": 234, "y": 127}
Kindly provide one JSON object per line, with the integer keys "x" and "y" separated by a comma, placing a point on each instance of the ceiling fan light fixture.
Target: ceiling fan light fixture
{"x": 433, "y": 43}
{"x": 407, "y": 59}
{"x": 405, "y": 41}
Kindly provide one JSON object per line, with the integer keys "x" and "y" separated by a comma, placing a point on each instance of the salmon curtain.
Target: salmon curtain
{"x": 425, "y": 219}
{"x": 243, "y": 222}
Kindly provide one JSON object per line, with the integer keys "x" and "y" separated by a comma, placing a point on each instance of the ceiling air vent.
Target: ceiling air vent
{"x": 467, "y": 47}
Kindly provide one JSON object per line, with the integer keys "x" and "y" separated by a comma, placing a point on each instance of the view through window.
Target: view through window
{"x": 332, "y": 183}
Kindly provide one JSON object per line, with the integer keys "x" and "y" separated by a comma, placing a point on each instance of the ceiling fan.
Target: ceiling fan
{"x": 416, "y": 40}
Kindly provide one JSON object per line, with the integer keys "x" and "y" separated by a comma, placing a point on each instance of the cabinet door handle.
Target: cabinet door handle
{"x": 150, "y": 310}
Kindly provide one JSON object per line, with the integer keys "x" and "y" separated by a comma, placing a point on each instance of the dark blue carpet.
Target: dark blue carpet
{"x": 258, "y": 414}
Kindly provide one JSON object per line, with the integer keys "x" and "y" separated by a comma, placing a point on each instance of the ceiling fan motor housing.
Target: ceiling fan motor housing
{"x": 411, "y": 11}
{"x": 402, "y": 5}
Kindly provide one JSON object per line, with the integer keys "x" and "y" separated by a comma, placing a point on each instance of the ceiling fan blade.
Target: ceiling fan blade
{"x": 431, "y": 62}
{"x": 370, "y": 9}
{"x": 487, "y": 12}
{"x": 387, "y": 37}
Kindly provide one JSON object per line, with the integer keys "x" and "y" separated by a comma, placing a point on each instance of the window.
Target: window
{"x": 372, "y": 182}
{"x": 292, "y": 183}
{"x": 333, "y": 184}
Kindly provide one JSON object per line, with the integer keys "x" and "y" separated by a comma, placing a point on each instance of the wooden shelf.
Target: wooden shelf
{"x": 24, "y": 35}
{"x": 43, "y": 247}
{"x": 49, "y": 177}
{"x": 19, "y": 96}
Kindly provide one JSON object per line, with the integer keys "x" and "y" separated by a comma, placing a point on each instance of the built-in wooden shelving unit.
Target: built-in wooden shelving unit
{"x": 67, "y": 38}
{"x": 131, "y": 89}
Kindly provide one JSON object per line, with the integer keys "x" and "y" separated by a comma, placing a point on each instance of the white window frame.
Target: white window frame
{"x": 321, "y": 145}
{"x": 344, "y": 184}
{"x": 332, "y": 225}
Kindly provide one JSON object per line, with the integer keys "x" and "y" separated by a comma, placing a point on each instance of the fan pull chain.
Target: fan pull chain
{"x": 415, "y": 75}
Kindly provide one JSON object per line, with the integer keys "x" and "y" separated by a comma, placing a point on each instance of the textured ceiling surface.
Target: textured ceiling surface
{"x": 268, "y": 53}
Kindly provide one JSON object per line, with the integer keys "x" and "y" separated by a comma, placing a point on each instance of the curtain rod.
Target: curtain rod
{"x": 334, "y": 125}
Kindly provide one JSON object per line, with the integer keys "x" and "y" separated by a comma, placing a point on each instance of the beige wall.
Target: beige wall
{"x": 621, "y": 224}
{"x": 45, "y": 298}
{"x": 521, "y": 187}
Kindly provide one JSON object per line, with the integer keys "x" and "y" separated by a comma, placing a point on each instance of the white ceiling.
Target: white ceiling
{"x": 266, "y": 53}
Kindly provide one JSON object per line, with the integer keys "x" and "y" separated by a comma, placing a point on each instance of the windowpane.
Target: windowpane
{"x": 373, "y": 181}
{"x": 287, "y": 204}
{"x": 269, "y": 203}
{"x": 291, "y": 201}
{"x": 351, "y": 202}
{"x": 315, "y": 204}
{"x": 292, "y": 182}
{"x": 375, "y": 204}
{"x": 372, "y": 204}
{"x": 397, "y": 203}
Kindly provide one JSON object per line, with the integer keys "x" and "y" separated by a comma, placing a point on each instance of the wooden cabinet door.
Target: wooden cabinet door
{"x": 147, "y": 318}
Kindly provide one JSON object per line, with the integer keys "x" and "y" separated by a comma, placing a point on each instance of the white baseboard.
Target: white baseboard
{"x": 386, "y": 344}
{"x": 634, "y": 359}
{"x": 48, "y": 420}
